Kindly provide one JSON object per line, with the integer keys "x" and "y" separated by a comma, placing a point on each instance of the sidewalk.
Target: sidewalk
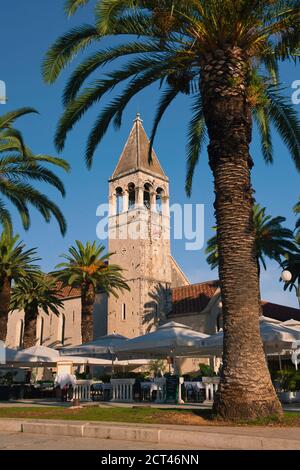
{"x": 213, "y": 437}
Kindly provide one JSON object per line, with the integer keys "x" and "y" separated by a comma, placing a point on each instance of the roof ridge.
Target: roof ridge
{"x": 212, "y": 281}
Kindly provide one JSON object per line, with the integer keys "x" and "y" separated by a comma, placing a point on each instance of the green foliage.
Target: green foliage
{"x": 292, "y": 264}
{"x": 157, "y": 367}
{"x": 18, "y": 168}
{"x": 273, "y": 241}
{"x": 166, "y": 42}
{"x": 289, "y": 380}
{"x": 15, "y": 261}
{"x": 8, "y": 378}
{"x": 88, "y": 265}
{"x": 38, "y": 291}
{"x": 206, "y": 371}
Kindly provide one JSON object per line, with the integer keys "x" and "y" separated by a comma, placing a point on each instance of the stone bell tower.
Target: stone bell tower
{"x": 139, "y": 237}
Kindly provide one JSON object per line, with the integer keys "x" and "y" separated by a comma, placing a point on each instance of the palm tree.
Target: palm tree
{"x": 31, "y": 294}
{"x": 16, "y": 263}
{"x": 225, "y": 54}
{"x": 273, "y": 241}
{"x": 297, "y": 211}
{"x": 19, "y": 166}
{"x": 87, "y": 268}
{"x": 292, "y": 264}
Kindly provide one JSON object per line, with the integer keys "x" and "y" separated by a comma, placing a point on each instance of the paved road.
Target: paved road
{"x": 24, "y": 441}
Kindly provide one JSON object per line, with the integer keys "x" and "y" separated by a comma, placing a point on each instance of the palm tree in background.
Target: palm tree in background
{"x": 18, "y": 168}
{"x": 16, "y": 263}
{"x": 31, "y": 294}
{"x": 87, "y": 267}
{"x": 224, "y": 54}
{"x": 273, "y": 241}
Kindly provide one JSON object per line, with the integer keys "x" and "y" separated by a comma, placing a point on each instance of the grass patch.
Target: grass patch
{"x": 140, "y": 415}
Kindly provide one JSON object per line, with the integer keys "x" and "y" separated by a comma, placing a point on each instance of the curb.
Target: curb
{"x": 211, "y": 439}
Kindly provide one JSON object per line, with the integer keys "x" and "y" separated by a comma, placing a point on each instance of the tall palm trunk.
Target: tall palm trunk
{"x": 30, "y": 339}
{"x": 246, "y": 390}
{"x": 87, "y": 311}
{"x": 5, "y": 295}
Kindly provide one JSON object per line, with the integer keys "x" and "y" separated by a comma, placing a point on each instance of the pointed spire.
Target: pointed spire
{"x": 134, "y": 156}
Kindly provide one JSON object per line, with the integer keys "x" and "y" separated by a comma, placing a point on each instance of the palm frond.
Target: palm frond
{"x": 166, "y": 99}
{"x": 196, "y": 139}
{"x": 65, "y": 49}
{"x": 285, "y": 119}
{"x": 71, "y": 6}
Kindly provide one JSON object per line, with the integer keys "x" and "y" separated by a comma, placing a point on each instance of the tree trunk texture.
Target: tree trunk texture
{"x": 87, "y": 313}
{"x": 246, "y": 390}
{"x": 29, "y": 338}
{"x": 5, "y": 295}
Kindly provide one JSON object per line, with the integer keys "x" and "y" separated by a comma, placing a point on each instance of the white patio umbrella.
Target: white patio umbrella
{"x": 103, "y": 346}
{"x": 291, "y": 324}
{"x": 172, "y": 339}
{"x": 276, "y": 338}
{"x": 42, "y": 355}
{"x": 6, "y": 355}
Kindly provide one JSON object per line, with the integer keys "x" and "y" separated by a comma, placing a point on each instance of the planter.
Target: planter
{"x": 286, "y": 397}
{"x": 4, "y": 392}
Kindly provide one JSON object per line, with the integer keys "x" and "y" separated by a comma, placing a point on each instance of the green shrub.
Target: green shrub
{"x": 206, "y": 370}
{"x": 289, "y": 380}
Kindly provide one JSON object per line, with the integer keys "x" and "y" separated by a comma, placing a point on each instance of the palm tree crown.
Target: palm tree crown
{"x": 87, "y": 267}
{"x": 38, "y": 291}
{"x": 273, "y": 241}
{"x": 30, "y": 294}
{"x": 175, "y": 42}
{"x": 18, "y": 166}
{"x": 15, "y": 263}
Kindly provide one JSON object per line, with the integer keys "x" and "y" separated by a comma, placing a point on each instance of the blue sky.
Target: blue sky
{"x": 27, "y": 30}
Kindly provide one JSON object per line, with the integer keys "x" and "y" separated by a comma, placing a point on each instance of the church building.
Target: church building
{"x": 139, "y": 237}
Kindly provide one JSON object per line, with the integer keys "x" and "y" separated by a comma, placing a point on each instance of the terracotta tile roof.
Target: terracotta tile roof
{"x": 195, "y": 297}
{"x": 67, "y": 292}
{"x": 280, "y": 312}
{"x": 192, "y": 298}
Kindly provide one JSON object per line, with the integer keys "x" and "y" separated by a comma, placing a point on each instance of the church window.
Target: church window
{"x": 147, "y": 189}
{"x": 159, "y": 195}
{"x": 40, "y": 330}
{"x": 123, "y": 312}
{"x": 61, "y": 328}
{"x": 19, "y": 333}
{"x": 131, "y": 196}
{"x": 119, "y": 194}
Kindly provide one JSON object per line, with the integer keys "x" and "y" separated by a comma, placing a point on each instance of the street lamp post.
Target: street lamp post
{"x": 286, "y": 276}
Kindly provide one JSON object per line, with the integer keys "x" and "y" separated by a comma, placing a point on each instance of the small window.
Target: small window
{"x": 119, "y": 194}
{"x": 123, "y": 313}
{"x": 159, "y": 195}
{"x": 147, "y": 189}
{"x": 40, "y": 330}
{"x": 61, "y": 328}
{"x": 131, "y": 196}
{"x": 19, "y": 333}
